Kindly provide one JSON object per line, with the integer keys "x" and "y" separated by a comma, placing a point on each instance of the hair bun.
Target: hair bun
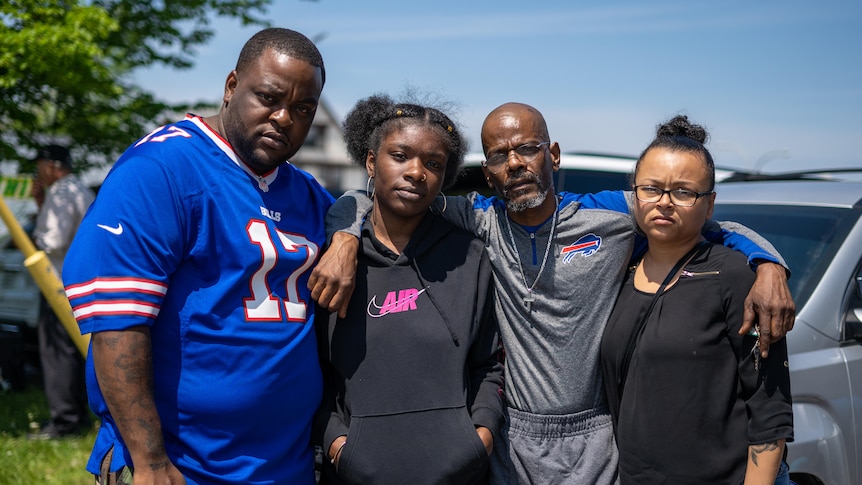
{"x": 680, "y": 126}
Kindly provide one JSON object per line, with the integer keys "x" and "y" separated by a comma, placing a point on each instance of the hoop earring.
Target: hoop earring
{"x": 369, "y": 189}
{"x": 444, "y": 203}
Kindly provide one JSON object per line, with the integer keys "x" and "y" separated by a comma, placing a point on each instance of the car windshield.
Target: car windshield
{"x": 807, "y": 237}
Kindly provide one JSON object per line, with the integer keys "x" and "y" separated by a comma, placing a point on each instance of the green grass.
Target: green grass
{"x": 51, "y": 462}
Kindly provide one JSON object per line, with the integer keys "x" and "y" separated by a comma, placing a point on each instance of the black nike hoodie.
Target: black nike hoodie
{"x": 414, "y": 367}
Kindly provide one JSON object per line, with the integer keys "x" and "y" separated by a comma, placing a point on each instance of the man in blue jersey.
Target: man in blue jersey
{"x": 558, "y": 262}
{"x": 189, "y": 272}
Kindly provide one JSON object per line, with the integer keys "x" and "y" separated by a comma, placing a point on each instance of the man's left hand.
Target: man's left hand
{"x": 769, "y": 303}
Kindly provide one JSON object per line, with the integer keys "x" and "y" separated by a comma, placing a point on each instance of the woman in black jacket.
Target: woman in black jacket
{"x": 412, "y": 374}
{"x": 692, "y": 400}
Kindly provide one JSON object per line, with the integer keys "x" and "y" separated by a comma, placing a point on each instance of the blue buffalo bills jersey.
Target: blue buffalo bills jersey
{"x": 185, "y": 239}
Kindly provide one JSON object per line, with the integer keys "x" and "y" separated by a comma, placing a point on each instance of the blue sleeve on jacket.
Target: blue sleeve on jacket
{"x": 741, "y": 243}
{"x": 483, "y": 202}
{"x": 614, "y": 200}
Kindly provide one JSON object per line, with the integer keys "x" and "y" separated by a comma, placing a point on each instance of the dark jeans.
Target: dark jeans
{"x": 783, "y": 477}
{"x": 63, "y": 374}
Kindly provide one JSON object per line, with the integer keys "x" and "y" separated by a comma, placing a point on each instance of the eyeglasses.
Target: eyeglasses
{"x": 526, "y": 153}
{"x": 680, "y": 197}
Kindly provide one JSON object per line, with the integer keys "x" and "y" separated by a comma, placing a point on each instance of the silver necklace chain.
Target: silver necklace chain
{"x": 528, "y": 298}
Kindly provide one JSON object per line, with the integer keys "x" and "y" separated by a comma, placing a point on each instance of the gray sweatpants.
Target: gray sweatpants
{"x": 555, "y": 449}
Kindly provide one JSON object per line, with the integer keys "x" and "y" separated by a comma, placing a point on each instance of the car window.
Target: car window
{"x": 590, "y": 181}
{"x": 471, "y": 179}
{"x": 807, "y": 237}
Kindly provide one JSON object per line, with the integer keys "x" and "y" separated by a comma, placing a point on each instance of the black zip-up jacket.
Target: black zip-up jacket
{"x": 414, "y": 368}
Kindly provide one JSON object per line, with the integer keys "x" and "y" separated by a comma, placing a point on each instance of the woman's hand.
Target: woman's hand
{"x": 335, "y": 449}
{"x": 487, "y": 438}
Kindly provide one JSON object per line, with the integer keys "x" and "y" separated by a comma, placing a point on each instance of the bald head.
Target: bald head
{"x": 518, "y": 134}
{"x": 513, "y": 119}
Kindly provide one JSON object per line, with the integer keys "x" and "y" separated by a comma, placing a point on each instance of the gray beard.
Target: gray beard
{"x": 527, "y": 204}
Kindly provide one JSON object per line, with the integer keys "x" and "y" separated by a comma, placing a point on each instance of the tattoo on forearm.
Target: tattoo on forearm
{"x": 154, "y": 442}
{"x": 756, "y": 450}
{"x": 126, "y": 379}
{"x": 159, "y": 465}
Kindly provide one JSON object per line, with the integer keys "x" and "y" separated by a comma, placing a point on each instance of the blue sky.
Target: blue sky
{"x": 768, "y": 76}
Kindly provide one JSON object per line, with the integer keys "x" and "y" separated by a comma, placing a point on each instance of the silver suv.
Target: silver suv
{"x": 817, "y": 227}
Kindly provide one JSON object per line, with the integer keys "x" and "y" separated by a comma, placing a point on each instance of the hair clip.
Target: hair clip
{"x": 449, "y": 128}
{"x": 399, "y": 113}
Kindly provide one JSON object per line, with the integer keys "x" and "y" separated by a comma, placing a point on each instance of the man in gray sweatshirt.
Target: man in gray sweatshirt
{"x": 558, "y": 262}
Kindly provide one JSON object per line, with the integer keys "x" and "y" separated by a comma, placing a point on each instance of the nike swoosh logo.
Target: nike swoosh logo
{"x": 113, "y": 230}
{"x": 395, "y": 304}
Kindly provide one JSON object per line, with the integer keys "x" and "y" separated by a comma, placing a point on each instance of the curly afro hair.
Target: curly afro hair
{"x": 375, "y": 117}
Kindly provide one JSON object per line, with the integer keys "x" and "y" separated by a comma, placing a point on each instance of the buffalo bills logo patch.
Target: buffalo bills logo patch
{"x": 585, "y": 246}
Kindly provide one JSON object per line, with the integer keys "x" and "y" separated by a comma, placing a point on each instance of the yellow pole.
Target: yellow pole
{"x": 46, "y": 278}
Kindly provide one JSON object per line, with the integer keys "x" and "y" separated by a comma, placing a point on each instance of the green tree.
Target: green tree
{"x": 65, "y": 68}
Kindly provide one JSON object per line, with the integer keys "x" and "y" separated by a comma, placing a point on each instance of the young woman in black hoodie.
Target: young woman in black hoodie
{"x": 412, "y": 374}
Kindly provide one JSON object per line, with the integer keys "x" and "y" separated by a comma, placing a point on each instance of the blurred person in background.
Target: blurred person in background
{"x": 63, "y": 199}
